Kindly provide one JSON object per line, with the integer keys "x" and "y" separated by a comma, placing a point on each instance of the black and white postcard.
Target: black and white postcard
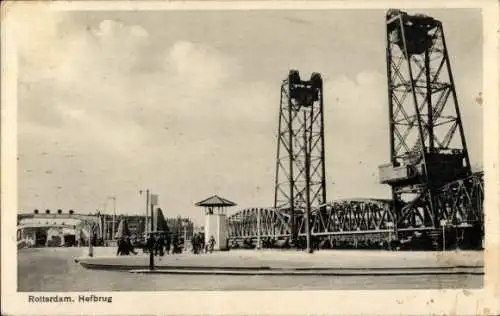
{"x": 247, "y": 157}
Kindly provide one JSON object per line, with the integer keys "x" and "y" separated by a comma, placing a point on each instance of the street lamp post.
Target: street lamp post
{"x": 149, "y": 206}
{"x": 104, "y": 224}
{"x": 91, "y": 232}
{"x": 258, "y": 229}
{"x": 443, "y": 223}
{"x": 390, "y": 225}
{"x": 184, "y": 225}
{"x": 91, "y": 250}
{"x": 151, "y": 254}
{"x": 114, "y": 217}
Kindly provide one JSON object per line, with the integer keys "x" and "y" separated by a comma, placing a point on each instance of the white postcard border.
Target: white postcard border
{"x": 456, "y": 302}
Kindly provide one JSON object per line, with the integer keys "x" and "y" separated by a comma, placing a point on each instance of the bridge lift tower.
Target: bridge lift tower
{"x": 300, "y": 163}
{"x": 427, "y": 142}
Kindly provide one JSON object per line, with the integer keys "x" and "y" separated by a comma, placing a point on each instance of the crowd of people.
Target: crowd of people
{"x": 163, "y": 243}
{"x": 125, "y": 247}
{"x": 199, "y": 246}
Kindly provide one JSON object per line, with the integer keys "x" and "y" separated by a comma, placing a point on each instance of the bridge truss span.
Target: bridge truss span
{"x": 245, "y": 223}
{"x": 332, "y": 221}
{"x": 356, "y": 222}
{"x": 352, "y": 217}
{"x": 436, "y": 202}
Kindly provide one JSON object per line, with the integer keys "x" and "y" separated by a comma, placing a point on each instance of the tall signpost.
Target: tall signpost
{"x": 114, "y": 217}
{"x": 153, "y": 200}
{"x": 148, "y": 235}
{"x": 259, "y": 243}
{"x": 185, "y": 224}
{"x": 147, "y": 214}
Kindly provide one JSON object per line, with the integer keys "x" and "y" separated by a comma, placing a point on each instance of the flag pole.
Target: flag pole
{"x": 151, "y": 254}
{"x": 147, "y": 214}
{"x": 114, "y": 217}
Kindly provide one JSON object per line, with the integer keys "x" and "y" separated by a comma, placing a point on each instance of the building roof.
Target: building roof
{"x": 159, "y": 221}
{"x": 215, "y": 201}
{"x": 122, "y": 230}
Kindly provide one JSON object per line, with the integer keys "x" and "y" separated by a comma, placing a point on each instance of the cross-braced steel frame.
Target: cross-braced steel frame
{"x": 300, "y": 162}
{"x": 427, "y": 141}
{"x": 429, "y": 173}
{"x": 331, "y": 223}
{"x": 363, "y": 221}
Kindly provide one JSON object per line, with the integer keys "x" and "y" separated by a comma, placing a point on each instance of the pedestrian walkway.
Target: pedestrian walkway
{"x": 316, "y": 272}
{"x": 327, "y": 261}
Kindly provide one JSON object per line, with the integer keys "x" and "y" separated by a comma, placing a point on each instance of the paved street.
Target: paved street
{"x": 55, "y": 270}
{"x": 249, "y": 259}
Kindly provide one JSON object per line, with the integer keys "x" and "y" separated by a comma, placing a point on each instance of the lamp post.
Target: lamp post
{"x": 390, "y": 225}
{"x": 443, "y": 223}
{"x": 258, "y": 229}
{"x": 153, "y": 200}
{"x": 91, "y": 233}
{"x": 114, "y": 217}
{"x": 146, "y": 214}
{"x": 104, "y": 224}
{"x": 149, "y": 205}
{"x": 184, "y": 225}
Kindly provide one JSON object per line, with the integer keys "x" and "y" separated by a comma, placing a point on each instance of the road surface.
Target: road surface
{"x": 54, "y": 269}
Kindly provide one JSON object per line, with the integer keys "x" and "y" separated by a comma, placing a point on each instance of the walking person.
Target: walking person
{"x": 167, "y": 243}
{"x": 155, "y": 244}
{"x": 201, "y": 241}
{"x": 161, "y": 245}
{"x": 211, "y": 244}
{"x": 150, "y": 243}
{"x": 175, "y": 244}
{"x": 128, "y": 246}
{"x": 120, "y": 247}
{"x": 195, "y": 244}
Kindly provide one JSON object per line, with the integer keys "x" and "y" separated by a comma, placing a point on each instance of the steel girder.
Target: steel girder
{"x": 346, "y": 217}
{"x": 426, "y": 131}
{"x": 273, "y": 223}
{"x": 300, "y": 162}
{"x": 353, "y": 217}
{"x": 461, "y": 203}
{"x": 425, "y": 116}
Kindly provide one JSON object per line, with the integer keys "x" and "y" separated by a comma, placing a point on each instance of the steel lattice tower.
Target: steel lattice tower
{"x": 300, "y": 162}
{"x": 427, "y": 141}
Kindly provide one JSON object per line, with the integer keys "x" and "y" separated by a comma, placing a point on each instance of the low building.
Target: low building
{"x": 57, "y": 229}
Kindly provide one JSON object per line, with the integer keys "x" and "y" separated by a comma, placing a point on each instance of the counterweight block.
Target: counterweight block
{"x": 304, "y": 93}
{"x": 412, "y": 33}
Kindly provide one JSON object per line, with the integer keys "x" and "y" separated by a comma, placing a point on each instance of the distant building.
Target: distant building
{"x": 69, "y": 228}
{"x": 181, "y": 226}
{"x": 136, "y": 225}
{"x": 56, "y": 229}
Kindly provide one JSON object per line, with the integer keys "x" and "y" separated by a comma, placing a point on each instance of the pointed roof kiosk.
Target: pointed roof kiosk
{"x": 216, "y": 220}
{"x": 122, "y": 230}
{"x": 215, "y": 203}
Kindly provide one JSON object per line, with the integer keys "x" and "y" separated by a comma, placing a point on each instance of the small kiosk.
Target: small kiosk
{"x": 216, "y": 220}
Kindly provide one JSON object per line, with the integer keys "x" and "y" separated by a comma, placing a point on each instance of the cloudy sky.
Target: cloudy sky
{"x": 186, "y": 103}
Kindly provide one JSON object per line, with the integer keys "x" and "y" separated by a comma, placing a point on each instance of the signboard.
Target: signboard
{"x": 154, "y": 199}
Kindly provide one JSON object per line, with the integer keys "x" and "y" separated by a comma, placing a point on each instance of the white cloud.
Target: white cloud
{"x": 171, "y": 112}
{"x": 356, "y": 126}
{"x": 199, "y": 68}
{"x": 122, "y": 126}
